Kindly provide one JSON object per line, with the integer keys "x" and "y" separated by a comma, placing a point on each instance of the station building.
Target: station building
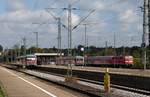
{"x": 46, "y": 58}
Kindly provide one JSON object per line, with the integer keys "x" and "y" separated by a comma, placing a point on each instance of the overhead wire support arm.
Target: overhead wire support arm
{"x": 83, "y": 19}
{"x": 51, "y": 13}
{"x": 74, "y": 2}
{"x": 56, "y": 18}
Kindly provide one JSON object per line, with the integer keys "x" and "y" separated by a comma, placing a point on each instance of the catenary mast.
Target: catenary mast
{"x": 145, "y": 38}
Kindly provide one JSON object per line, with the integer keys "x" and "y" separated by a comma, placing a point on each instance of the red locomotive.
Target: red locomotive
{"x": 109, "y": 60}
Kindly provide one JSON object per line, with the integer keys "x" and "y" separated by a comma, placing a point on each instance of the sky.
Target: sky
{"x": 120, "y": 18}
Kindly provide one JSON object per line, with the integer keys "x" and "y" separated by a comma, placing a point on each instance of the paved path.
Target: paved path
{"x": 21, "y": 85}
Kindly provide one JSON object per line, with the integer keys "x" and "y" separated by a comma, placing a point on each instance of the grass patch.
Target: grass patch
{"x": 2, "y": 91}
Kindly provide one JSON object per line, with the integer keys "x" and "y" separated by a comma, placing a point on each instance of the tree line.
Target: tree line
{"x": 135, "y": 51}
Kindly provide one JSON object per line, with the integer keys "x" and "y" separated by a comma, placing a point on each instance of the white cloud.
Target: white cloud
{"x": 75, "y": 18}
{"x": 129, "y": 16}
{"x": 19, "y": 18}
{"x": 99, "y": 5}
{"x": 24, "y": 16}
{"x": 16, "y": 5}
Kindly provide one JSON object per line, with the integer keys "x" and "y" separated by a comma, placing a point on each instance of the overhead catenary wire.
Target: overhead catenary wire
{"x": 113, "y": 3}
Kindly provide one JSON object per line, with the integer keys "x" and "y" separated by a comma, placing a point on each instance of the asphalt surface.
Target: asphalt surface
{"x": 21, "y": 85}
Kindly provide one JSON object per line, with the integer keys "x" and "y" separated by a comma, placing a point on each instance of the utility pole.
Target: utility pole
{"x": 70, "y": 39}
{"x": 114, "y": 49}
{"x": 59, "y": 52}
{"x": 59, "y": 36}
{"x": 85, "y": 47}
{"x": 124, "y": 51}
{"x": 11, "y": 52}
{"x": 85, "y": 39}
{"x": 106, "y": 48}
{"x": 85, "y": 43}
{"x": 6, "y": 55}
{"x": 37, "y": 36}
{"x": 24, "y": 52}
{"x": 114, "y": 44}
{"x": 145, "y": 39}
{"x": 85, "y": 25}
{"x": 70, "y": 29}
{"x": 149, "y": 19}
{"x": 149, "y": 32}
{"x": 59, "y": 23}
{"x": 69, "y": 9}
{"x": 24, "y": 45}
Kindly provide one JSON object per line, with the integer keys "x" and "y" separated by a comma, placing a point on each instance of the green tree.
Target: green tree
{"x": 137, "y": 63}
{"x": 1, "y": 48}
{"x": 32, "y": 50}
{"x": 39, "y": 50}
{"x": 16, "y": 50}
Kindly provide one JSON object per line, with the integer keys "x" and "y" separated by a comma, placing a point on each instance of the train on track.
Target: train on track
{"x": 27, "y": 60}
{"x": 117, "y": 61}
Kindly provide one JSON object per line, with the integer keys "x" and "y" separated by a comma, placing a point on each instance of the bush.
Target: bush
{"x": 137, "y": 63}
{"x": 148, "y": 66}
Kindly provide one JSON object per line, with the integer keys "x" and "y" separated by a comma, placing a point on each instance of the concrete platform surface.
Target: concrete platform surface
{"x": 21, "y": 85}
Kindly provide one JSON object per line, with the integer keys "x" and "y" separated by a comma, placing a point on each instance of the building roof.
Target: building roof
{"x": 47, "y": 54}
{"x": 40, "y": 54}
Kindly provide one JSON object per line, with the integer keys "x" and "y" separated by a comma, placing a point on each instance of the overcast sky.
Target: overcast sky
{"x": 122, "y": 17}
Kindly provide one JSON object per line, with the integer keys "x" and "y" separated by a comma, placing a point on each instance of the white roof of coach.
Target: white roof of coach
{"x": 46, "y": 54}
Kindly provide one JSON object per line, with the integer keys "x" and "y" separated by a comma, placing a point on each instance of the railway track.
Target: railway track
{"x": 135, "y": 82}
{"x": 101, "y": 83}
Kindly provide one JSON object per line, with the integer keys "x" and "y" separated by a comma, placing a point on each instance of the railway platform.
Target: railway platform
{"x": 20, "y": 85}
{"x": 58, "y": 79}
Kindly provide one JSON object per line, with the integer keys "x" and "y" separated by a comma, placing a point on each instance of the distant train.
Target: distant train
{"x": 77, "y": 60}
{"x": 38, "y": 59}
{"x": 27, "y": 60}
{"x": 117, "y": 61}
